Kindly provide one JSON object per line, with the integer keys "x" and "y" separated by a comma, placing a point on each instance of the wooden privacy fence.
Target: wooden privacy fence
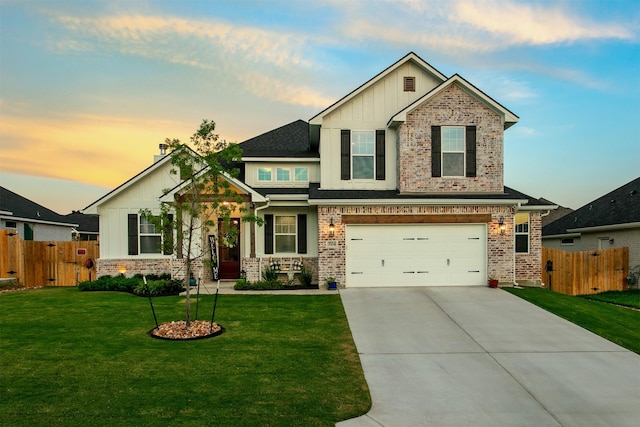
{"x": 586, "y": 272}
{"x": 46, "y": 263}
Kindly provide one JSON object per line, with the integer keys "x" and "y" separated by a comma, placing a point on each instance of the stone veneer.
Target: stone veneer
{"x": 452, "y": 107}
{"x": 500, "y": 248}
{"x": 254, "y": 267}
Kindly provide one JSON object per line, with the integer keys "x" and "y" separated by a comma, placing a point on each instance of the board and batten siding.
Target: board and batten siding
{"x": 113, "y": 213}
{"x": 370, "y": 110}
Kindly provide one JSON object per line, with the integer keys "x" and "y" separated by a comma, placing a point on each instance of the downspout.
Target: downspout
{"x": 255, "y": 213}
{"x": 513, "y": 238}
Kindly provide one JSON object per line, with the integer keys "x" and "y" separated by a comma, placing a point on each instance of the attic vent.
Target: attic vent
{"x": 409, "y": 84}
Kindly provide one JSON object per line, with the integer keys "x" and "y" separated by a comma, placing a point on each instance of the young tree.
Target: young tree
{"x": 204, "y": 198}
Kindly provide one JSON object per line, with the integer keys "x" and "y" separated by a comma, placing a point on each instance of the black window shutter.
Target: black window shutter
{"x": 345, "y": 154}
{"x": 380, "y": 146}
{"x": 132, "y": 224}
{"x": 436, "y": 150}
{"x": 302, "y": 233}
{"x": 471, "y": 151}
{"x": 268, "y": 234}
{"x": 167, "y": 243}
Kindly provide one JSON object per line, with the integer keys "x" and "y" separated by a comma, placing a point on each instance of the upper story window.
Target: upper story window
{"x": 409, "y": 84}
{"x": 264, "y": 174}
{"x": 522, "y": 233}
{"x": 301, "y": 174}
{"x": 453, "y": 151}
{"x": 283, "y": 174}
{"x": 362, "y": 154}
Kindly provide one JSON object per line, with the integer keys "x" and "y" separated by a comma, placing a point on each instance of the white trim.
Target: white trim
{"x": 282, "y": 159}
{"x": 561, "y": 236}
{"x": 611, "y": 227}
{"x": 508, "y": 117}
{"x": 317, "y": 119}
{"x": 255, "y": 196}
{"x": 38, "y": 221}
{"x": 409, "y": 202}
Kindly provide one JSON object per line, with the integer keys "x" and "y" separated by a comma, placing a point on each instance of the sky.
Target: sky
{"x": 89, "y": 88}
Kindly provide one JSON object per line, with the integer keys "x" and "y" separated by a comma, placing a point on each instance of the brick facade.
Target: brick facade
{"x": 452, "y": 107}
{"x": 500, "y": 247}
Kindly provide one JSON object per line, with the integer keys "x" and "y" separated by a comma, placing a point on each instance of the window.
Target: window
{"x": 567, "y": 242}
{"x": 264, "y": 174}
{"x": 301, "y": 174}
{"x": 285, "y": 233}
{"x": 11, "y": 224}
{"x": 409, "y": 84}
{"x": 522, "y": 233}
{"x": 362, "y": 154}
{"x": 453, "y": 149}
{"x": 283, "y": 174}
{"x": 150, "y": 238}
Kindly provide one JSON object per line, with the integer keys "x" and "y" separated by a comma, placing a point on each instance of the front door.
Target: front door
{"x": 229, "y": 249}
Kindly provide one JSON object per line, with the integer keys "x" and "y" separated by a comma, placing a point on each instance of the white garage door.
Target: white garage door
{"x": 416, "y": 255}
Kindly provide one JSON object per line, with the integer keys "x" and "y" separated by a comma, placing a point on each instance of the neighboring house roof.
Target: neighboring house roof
{"x": 509, "y": 196}
{"x": 290, "y": 140}
{"x": 18, "y": 208}
{"x": 509, "y": 118}
{"x": 89, "y": 224}
{"x": 316, "y": 120}
{"x": 618, "y": 209}
{"x": 555, "y": 214}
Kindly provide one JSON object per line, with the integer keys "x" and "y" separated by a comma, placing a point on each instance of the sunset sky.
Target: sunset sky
{"x": 88, "y": 89}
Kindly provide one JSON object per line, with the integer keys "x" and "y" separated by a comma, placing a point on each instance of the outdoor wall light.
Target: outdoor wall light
{"x": 122, "y": 269}
{"x": 502, "y": 226}
{"x": 332, "y": 228}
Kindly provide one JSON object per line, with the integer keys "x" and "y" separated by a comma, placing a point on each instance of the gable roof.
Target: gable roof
{"x": 86, "y": 223}
{"x": 14, "y": 207}
{"x": 290, "y": 140}
{"x": 509, "y": 118}
{"x": 619, "y": 207}
{"x": 93, "y": 207}
{"x": 315, "y": 120}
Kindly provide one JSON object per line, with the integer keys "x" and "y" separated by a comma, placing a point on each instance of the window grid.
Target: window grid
{"x": 285, "y": 234}
{"x": 301, "y": 174}
{"x": 362, "y": 154}
{"x": 453, "y": 151}
{"x": 522, "y": 232}
{"x": 283, "y": 174}
{"x": 264, "y": 174}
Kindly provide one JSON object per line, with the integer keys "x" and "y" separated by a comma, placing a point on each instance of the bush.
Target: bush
{"x": 262, "y": 285}
{"x": 156, "y": 285}
{"x": 306, "y": 276}
{"x": 270, "y": 275}
{"x": 158, "y": 288}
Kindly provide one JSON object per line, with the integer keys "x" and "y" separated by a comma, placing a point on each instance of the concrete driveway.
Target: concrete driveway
{"x": 476, "y": 356}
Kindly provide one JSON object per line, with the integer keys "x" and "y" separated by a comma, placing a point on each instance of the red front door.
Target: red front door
{"x": 229, "y": 249}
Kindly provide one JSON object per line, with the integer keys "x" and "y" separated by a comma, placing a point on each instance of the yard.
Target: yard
{"x": 597, "y": 313}
{"x": 84, "y": 358}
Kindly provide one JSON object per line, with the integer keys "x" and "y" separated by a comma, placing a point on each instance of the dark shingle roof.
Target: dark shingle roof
{"x": 621, "y": 206}
{"x": 86, "y": 223}
{"x": 22, "y": 207}
{"x": 291, "y": 140}
{"x": 509, "y": 194}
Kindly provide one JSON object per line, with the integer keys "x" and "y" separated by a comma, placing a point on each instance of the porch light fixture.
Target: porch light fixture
{"x": 122, "y": 269}
{"x": 332, "y": 228}
{"x": 501, "y": 225}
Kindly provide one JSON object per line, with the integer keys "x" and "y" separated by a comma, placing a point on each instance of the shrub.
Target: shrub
{"x": 270, "y": 275}
{"x": 158, "y": 288}
{"x": 108, "y": 283}
{"x": 306, "y": 276}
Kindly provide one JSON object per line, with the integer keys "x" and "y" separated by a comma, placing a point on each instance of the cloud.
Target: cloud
{"x": 535, "y": 24}
{"x": 99, "y": 150}
{"x": 234, "y": 52}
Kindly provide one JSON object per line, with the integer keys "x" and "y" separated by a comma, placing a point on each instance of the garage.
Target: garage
{"x": 416, "y": 255}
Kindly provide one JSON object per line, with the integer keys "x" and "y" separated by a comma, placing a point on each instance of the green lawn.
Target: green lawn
{"x": 617, "y": 324}
{"x": 84, "y": 358}
{"x": 626, "y": 298}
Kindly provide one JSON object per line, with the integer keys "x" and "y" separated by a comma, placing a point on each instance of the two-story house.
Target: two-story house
{"x": 399, "y": 183}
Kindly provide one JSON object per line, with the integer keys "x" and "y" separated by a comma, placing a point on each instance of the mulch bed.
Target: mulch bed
{"x": 178, "y": 331}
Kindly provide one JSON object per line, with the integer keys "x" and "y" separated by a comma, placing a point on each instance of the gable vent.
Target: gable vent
{"x": 409, "y": 84}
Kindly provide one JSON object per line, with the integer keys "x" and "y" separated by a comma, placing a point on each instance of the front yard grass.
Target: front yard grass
{"x": 617, "y": 324}
{"x": 624, "y": 298}
{"x": 73, "y": 358}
